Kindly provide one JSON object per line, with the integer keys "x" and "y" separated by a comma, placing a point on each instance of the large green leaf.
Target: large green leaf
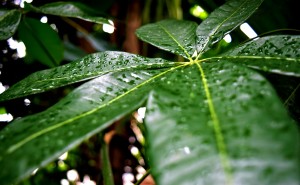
{"x": 70, "y": 9}
{"x": 208, "y": 121}
{"x": 276, "y": 54}
{"x": 171, "y": 35}
{"x": 88, "y": 67}
{"x": 222, "y": 21}
{"x": 217, "y": 123}
{"x": 41, "y": 41}
{"x": 34, "y": 141}
{"x": 9, "y": 21}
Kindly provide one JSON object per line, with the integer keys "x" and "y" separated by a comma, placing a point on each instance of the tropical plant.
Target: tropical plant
{"x": 209, "y": 119}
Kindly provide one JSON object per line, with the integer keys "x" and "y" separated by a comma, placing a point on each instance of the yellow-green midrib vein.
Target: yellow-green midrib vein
{"x": 60, "y": 124}
{"x": 222, "y": 149}
{"x": 95, "y": 74}
{"x": 183, "y": 63}
{"x": 183, "y": 49}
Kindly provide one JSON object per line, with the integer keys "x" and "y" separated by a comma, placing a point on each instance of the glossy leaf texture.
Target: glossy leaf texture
{"x": 277, "y": 54}
{"x": 219, "y": 123}
{"x": 223, "y": 20}
{"x": 86, "y": 68}
{"x": 42, "y": 42}
{"x": 36, "y": 140}
{"x": 9, "y": 22}
{"x": 171, "y": 35}
{"x": 70, "y": 9}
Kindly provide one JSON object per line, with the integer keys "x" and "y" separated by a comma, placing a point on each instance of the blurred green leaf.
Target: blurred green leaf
{"x": 41, "y": 41}
{"x": 9, "y": 22}
{"x": 73, "y": 52}
{"x": 86, "y": 68}
{"x": 70, "y": 9}
{"x": 220, "y": 124}
{"x": 223, "y": 20}
{"x": 277, "y": 54}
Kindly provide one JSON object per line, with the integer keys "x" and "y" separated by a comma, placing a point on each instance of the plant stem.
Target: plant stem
{"x": 106, "y": 167}
{"x": 75, "y": 25}
{"x": 291, "y": 95}
{"x": 143, "y": 177}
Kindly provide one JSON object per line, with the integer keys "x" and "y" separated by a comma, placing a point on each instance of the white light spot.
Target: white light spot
{"x": 87, "y": 180}
{"x": 22, "y": 2}
{"x": 6, "y": 117}
{"x": 139, "y": 176}
{"x": 127, "y": 177}
{"x": 34, "y": 171}
{"x": 72, "y": 175}
{"x": 134, "y": 150}
{"x": 53, "y": 26}
{"x": 2, "y": 88}
{"x": 128, "y": 183}
{"x": 13, "y": 44}
{"x": 21, "y": 49}
{"x": 227, "y": 38}
{"x": 27, "y": 102}
{"x": 63, "y": 156}
{"x": 187, "y": 150}
{"x": 109, "y": 28}
{"x": 141, "y": 112}
{"x": 44, "y": 19}
{"x": 194, "y": 54}
{"x": 20, "y": 46}
{"x": 246, "y": 28}
{"x": 140, "y": 170}
{"x": 64, "y": 182}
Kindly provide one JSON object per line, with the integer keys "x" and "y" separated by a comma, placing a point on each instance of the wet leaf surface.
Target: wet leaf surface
{"x": 223, "y": 20}
{"x": 216, "y": 123}
{"x": 277, "y": 54}
{"x": 171, "y": 35}
{"x": 71, "y": 9}
{"x": 86, "y": 68}
{"x": 9, "y": 22}
{"x": 36, "y": 140}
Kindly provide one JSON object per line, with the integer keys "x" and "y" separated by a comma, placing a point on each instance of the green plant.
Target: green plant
{"x": 209, "y": 120}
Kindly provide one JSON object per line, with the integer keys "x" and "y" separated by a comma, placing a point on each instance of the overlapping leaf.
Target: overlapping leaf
{"x": 171, "y": 35}
{"x": 9, "y": 22}
{"x": 222, "y": 21}
{"x": 41, "y": 41}
{"x": 32, "y": 142}
{"x": 277, "y": 54}
{"x": 70, "y": 9}
{"x": 217, "y": 125}
{"x": 88, "y": 67}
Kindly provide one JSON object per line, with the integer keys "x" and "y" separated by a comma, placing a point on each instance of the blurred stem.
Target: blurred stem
{"x": 146, "y": 12}
{"x": 291, "y": 95}
{"x": 174, "y": 9}
{"x": 159, "y": 10}
{"x": 106, "y": 167}
{"x": 143, "y": 177}
{"x": 75, "y": 25}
